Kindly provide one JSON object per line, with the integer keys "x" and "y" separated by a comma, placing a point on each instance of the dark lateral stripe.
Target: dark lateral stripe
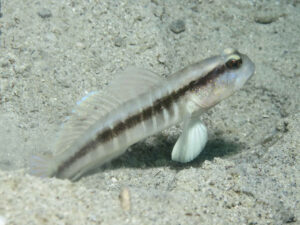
{"x": 164, "y": 102}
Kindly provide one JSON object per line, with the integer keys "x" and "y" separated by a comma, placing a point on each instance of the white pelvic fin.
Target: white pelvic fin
{"x": 191, "y": 142}
{"x": 95, "y": 105}
{"x": 42, "y": 166}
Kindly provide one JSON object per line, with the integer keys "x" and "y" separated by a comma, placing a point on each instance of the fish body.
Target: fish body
{"x": 139, "y": 104}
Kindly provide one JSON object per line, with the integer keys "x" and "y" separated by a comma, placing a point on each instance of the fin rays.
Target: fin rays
{"x": 95, "y": 105}
{"x": 191, "y": 142}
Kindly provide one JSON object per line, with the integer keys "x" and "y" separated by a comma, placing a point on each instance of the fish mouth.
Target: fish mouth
{"x": 246, "y": 72}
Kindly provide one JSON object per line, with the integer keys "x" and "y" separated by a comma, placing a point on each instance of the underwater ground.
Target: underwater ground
{"x": 52, "y": 53}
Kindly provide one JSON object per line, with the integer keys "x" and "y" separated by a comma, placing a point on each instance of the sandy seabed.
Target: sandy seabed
{"x": 54, "y": 52}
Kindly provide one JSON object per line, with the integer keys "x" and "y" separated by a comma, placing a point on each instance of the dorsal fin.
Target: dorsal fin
{"x": 95, "y": 105}
{"x": 133, "y": 82}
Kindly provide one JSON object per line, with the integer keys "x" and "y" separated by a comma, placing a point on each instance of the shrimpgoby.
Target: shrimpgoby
{"x": 138, "y": 104}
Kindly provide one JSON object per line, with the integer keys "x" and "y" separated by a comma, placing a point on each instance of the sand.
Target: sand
{"x": 52, "y": 53}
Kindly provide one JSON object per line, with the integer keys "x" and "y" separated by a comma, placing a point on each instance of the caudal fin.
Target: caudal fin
{"x": 42, "y": 166}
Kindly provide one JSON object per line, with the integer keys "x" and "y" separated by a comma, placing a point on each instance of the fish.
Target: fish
{"x": 138, "y": 104}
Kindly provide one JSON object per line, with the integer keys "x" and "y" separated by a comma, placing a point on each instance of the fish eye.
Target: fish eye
{"x": 234, "y": 62}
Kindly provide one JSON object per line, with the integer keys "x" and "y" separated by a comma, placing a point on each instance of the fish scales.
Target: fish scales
{"x": 181, "y": 97}
{"x": 141, "y": 121}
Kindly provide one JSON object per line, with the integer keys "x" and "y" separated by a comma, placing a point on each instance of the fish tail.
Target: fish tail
{"x": 42, "y": 166}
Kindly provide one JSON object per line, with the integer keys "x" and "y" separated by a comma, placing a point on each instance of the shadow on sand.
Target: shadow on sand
{"x": 158, "y": 154}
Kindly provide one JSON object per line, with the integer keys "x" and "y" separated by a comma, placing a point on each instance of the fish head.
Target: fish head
{"x": 231, "y": 71}
{"x": 238, "y": 68}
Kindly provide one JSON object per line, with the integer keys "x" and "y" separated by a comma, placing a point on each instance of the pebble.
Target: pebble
{"x": 44, "y": 13}
{"x": 266, "y": 18}
{"x": 4, "y": 62}
{"x": 282, "y": 126}
{"x": 118, "y": 42}
{"x": 177, "y": 26}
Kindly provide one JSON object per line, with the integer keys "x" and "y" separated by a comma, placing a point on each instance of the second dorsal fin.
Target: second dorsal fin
{"x": 91, "y": 108}
{"x": 133, "y": 82}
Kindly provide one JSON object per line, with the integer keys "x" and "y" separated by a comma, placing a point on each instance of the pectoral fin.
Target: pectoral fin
{"x": 191, "y": 142}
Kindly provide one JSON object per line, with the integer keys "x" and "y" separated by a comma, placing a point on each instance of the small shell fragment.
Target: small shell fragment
{"x": 125, "y": 199}
{"x": 2, "y": 220}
